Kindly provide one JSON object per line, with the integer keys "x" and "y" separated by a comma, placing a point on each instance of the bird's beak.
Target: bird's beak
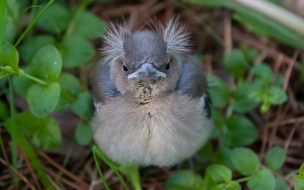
{"x": 147, "y": 72}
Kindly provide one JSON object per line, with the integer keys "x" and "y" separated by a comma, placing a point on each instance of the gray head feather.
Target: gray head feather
{"x": 174, "y": 35}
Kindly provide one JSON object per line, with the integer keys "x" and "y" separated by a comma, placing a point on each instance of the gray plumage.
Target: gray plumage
{"x": 152, "y": 105}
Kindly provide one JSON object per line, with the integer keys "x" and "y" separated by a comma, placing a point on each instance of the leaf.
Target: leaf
{"x": 30, "y": 47}
{"x": 9, "y": 56}
{"x": 245, "y": 161}
{"x": 47, "y": 64}
{"x": 276, "y": 95}
{"x": 251, "y": 55}
{"x": 262, "y": 180}
{"x": 219, "y": 91}
{"x": 232, "y": 185}
{"x": 4, "y": 114}
{"x": 83, "y": 106}
{"x": 299, "y": 179}
{"x": 275, "y": 158}
{"x": 22, "y": 84}
{"x": 219, "y": 173}
{"x": 263, "y": 72}
{"x": 280, "y": 184}
{"x": 301, "y": 170}
{"x": 42, "y": 100}
{"x": 44, "y": 132}
{"x": 184, "y": 179}
{"x": 55, "y": 19}
{"x": 76, "y": 51}
{"x": 223, "y": 156}
{"x": 12, "y": 16}
{"x": 243, "y": 100}
{"x": 70, "y": 89}
{"x": 240, "y": 131}
{"x": 235, "y": 63}
{"x": 83, "y": 134}
{"x": 88, "y": 26}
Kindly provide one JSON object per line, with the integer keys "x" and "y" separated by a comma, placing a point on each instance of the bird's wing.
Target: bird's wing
{"x": 193, "y": 82}
{"x": 101, "y": 82}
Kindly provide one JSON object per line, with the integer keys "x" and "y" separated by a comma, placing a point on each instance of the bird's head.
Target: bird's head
{"x": 146, "y": 63}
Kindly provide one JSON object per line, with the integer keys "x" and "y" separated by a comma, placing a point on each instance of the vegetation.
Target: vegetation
{"x": 253, "y": 56}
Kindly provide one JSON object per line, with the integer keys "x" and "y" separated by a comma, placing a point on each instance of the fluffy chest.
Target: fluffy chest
{"x": 161, "y": 132}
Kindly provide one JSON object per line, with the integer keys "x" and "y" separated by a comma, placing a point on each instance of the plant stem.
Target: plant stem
{"x": 22, "y": 73}
{"x": 243, "y": 179}
{"x": 33, "y": 22}
{"x": 13, "y": 129}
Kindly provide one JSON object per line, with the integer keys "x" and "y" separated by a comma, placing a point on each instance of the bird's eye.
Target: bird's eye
{"x": 124, "y": 68}
{"x": 168, "y": 66}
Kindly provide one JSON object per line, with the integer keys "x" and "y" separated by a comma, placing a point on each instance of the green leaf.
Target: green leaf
{"x": 280, "y": 184}
{"x": 76, "y": 51}
{"x": 30, "y": 47}
{"x": 232, "y": 185}
{"x": 47, "y": 63}
{"x": 219, "y": 123}
{"x": 263, "y": 72}
{"x": 42, "y": 100}
{"x": 276, "y": 95}
{"x": 83, "y": 106}
{"x": 9, "y": 56}
{"x": 223, "y": 156}
{"x": 235, "y": 63}
{"x": 275, "y": 158}
{"x": 44, "y": 132}
{"x": 245, "y": 161}
{"x": 184, "y": 179}
{"x": 240, "y": 131}
{"x": 22, "y": 84}
{"x": 301, "y": 170}
{"x": 243, "y": 100}
{"x": 251, "y": 55}
{"x": 4, "y": 114}
{"x": 83, "y": 134}
{"x": 262, "y": 180}
{"x": 12, "y": 16}
{"x": 55, "y": 19}
{"x": 219, "y": 173}
{"x": 70, "y": 89}
{"x": 299, "y": 179}
{"x": 88, "y": 26}
{"x": 219, "y": 91}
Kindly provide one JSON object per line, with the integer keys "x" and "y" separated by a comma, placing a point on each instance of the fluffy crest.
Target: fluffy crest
{"x": 114, "y": 40}
{"x": 176, "y": 38}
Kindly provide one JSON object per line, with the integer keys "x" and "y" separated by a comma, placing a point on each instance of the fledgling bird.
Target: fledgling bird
{"x": 151, "y": 99}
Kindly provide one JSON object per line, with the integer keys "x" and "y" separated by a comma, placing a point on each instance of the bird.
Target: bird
{"x": 152, "y": 106}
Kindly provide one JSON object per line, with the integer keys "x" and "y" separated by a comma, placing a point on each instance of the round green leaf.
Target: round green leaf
{"x": 219, "y": 91}
{"x": 232, "y": 185}
{"x": 276, "y": 95}
{"x": 219, "y": 173}
{"x": 184, "y": 179}
{"x": 275, "y": 158}
{"x": 29, "y": 48}
{"x": 263, "y": 72}
{"x": 88, "y": 26}
{"x": 245, "y": 161}
{"x": 243, "y": 100}
{"x": 76, "y": 51}
{"x": 55, "y": 19}
{"x": 235, "y": 63}
{"x": 240, "y": 131}
{"x": 83, "y": 134}
{"x": 299, "y": 179}
{"x": 83, "y": 106}
{"x": 223, "y": 156}
{"x": 44, "y": 132}
{"x": 280, "y": 184}
{"x": 262, "y": 180}
{"x": 47, "y": 63}
{"x": 42, "y": 100}
{"x": 9, "y": 56}
{"x": 70, "y": 89}
{"x": 301, "y": 170}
